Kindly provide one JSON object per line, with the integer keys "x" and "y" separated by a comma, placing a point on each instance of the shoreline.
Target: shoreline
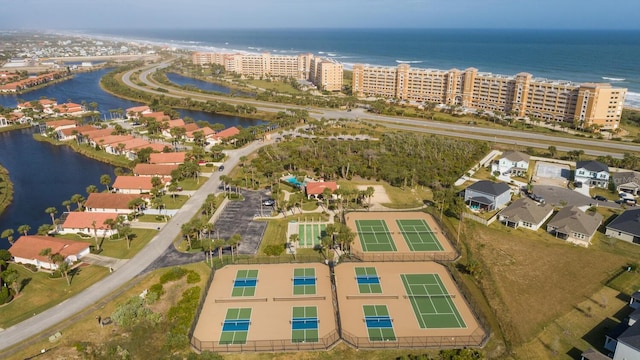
{"x": 6, "y": 189}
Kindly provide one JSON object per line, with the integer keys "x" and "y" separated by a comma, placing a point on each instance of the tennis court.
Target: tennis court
{"x": 245, "y": 283}
{"x": 379, "y": 323}
{"x": 432, "y": 304}
{"x": 304, "y": 324}
{"x": 374, "y": 235}
{"x": 311, "y": 234}
{"x": 418, "y": 235}
{"x": 235, "y": 327}
{"x": 368, "y": 280}
{"x": 304, "y": 281}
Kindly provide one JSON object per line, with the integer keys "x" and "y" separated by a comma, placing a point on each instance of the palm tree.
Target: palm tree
{"x": 91, "y": 189}
{"x": 78, "y": 199}
{"x": 8, "y": 234}
{"x": 187, "y": 231}
{"x": 52, "y": 211}
{"x": 294, "y": 238}
{"x": 67, "y": 204}
{"x": 106, "y": 181}
{"x": 234, "y": 241}
{"x": 24, "y": 229}
{"x": 94, "y": 226}
{"x": 47, "y": 252}
{"x": 12, "y": 278}
{"x": 218, "y": 244}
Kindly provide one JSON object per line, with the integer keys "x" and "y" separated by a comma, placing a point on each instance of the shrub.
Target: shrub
{"x": 273, "y": 250}
{"x": 193, "y": 277}
{"x": 173, "y": 274}
{"x": 157, "y": 289}
{"x": 5, "y": 295}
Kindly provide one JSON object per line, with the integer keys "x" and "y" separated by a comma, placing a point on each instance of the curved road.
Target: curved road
{"x": 133, "y": 267}
{"x": 522, "y": 138}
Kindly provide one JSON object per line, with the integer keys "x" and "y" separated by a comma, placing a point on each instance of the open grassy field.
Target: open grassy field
{"x": 40, "y": 292}
{"x": 532, "y": 279}
{"x": 174, "y": 202}
{"x": 117, "y": 248}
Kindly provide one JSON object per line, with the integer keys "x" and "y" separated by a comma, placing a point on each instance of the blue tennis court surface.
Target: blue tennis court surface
{"x": 368, "y": 280}
{"x": 304, "y": 324}
{"x": 245, "y": 283}
{"x": 379, "y": 323}
{"x": 304, "y": 281}
{"x": 235, "y": 327}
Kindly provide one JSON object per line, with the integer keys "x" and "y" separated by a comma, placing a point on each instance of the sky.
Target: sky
{"x": 191, "y": 14}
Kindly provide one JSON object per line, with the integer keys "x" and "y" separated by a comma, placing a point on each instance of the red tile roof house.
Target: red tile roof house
{"x": 104, "y": 141}
{"x": 223, "y": 135}
{"x": 57, "y": 125}
{"x": 315, "y": 189}
{"x": 70, "y": 133}
{"x": 90, "y": 223}
{"x": 67, "y": 109}
{"x": 110, "y": 202}
{"x": 46, "y": 104}
{"x": 88, "y": 135}
{"x": 132, "y": 184}
{"x": 157, "y": 116}
{"x": 161, "y": 171}
{"x": 170, "y": 124}
{"x": 137, "y": 111}
{"x": 173, "y": 158}
{"x": 207, "y": 132}
{"x": 26, "y": 250}
{"x": 118, "y": 149}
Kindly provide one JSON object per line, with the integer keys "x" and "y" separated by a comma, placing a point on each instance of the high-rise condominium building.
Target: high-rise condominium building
{"x": 520, "y": 95}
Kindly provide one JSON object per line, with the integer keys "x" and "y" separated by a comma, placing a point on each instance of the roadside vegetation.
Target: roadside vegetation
{"x": 6, "y": 189}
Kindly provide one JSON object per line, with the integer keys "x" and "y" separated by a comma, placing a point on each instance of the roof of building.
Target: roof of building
{"x": 174, "y": 123}
{"x": 167, "y": 158}
{"x": 592, "y": 165}
{"x": 525, "y": 209}
{"x": 490, "y": 187}
{"x": 228, "y": 132}
{"x": 64, "y": 122}
{"x": 626, "y": 177}
{"x": 133, "y": 182}
{"x": 206, "y": 131}
{"x": 43, "y": 102}
{"x": 158, "y": 116}
{"x": 628, "y": 222}
{"x": 154, "y": 169}
{"x": 137, "y": 109}
{"x": 515, "y": 156}
{"x": 109, "y": 200}
{"x": 317, "y": 187}
{"x": 631, "y": 337}
{"x": 111, "y": 139}
{"x": 570, "y": 218}
{"x": 68, "y": 107}
{"x": 159, "y": 147}
{"x": 191, "y": 127}
{"x": 77, "y": 129}
{"x": 134, "y": 143}
{"x": 97, "y": 133}
{"x": 593, "y": 354}
{"x": 29, "y": 247}
{"x": 87, "y": 220}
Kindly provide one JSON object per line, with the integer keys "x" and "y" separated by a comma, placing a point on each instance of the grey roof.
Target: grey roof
{"x": 489, "y": 187}
{"x": 525, "y": 209}
{"x": 631, "y": 337}
{"x": 515, "y": 156}
{"x": 628, "y": 222}
{"x": 592, "y": 165}
{"x": 626, "y": 177}
{"x": 570, "y": 218}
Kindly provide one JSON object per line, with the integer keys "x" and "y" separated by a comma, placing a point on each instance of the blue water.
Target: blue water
{"x": 575, "y": 55}
{"x": 203, "y": 85}
{"x": 43, "y": 175}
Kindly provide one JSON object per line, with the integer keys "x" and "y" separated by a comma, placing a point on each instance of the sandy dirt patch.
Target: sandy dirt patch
{"x": 379, "y": 196}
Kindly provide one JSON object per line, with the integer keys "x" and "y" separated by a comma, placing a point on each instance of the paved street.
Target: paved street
{"x": 156, "y": 247}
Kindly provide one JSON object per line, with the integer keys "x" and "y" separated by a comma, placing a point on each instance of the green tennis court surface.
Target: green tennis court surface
{"x": 236, "y": 326}
{"x": 378, "y": 322}
{"x": 245, "y": 283}
{"x": 432, "y": 304}
{"x": 374, "y": 235}
{"x": 304, "y": 324}
{"x": 368, "y": 280}
{"x": 311, "y": 234}
{"x": 418, "y": 235}
{"x": 304, "y": 281}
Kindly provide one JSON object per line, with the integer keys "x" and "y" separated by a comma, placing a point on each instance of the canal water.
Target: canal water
{"x": 45, "y": 175}
{"x": 204, "y": 85}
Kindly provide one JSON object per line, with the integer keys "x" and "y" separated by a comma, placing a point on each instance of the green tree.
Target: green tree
{"x": 8, "y": 234}
{"x": 106, "y": 181}
{"x": 218, "y": 244}
{"x": 91, "y": 189}
{"x": 67, "y": 204}
{"x": 52, "y": 211}
{"x": 552, "y": 151}
{"x": 24, "y": 229}
{"x": 12, "y": 277}
{"x": 78, "y": 199}
{"x": 234, "y": 242}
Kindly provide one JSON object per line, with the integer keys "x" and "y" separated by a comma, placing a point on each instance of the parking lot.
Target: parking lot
{"x": 238, "y": 217}
{"x": 559, "y": 197}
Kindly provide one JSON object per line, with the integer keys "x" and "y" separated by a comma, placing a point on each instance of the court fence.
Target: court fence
{"x": 324, "y": 343}
{"x": 476, "y": 339}
{"x": 265, "y": 259}
{"x": 403, "y": 256}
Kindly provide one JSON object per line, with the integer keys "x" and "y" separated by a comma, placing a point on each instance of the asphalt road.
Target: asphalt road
{"x": 143, "y": 260}
{"x": 520, "y": 138}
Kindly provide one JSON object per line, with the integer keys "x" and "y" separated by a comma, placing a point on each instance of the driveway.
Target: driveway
{"x": 238, "y": 217}
{"x": 558, "y": 196}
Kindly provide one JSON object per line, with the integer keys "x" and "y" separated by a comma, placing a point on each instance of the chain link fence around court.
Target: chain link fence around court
{"x": 323, "y": 343}
{"x": 476, "y": 339}
{"x": 265, "y": 259}
{"x": 403, "y": 256}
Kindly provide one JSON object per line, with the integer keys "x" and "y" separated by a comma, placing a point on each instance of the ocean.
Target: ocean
{"x": 574, "y": 55}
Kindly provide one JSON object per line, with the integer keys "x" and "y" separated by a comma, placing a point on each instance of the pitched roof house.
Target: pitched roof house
{"x": 154, "y": 170}
{"x": 91, "y": 223}
{"x": 26, "y": 250}
{"x": 626, "y": 226}
{"x": 511, "y": 163}
{"x": 172, "y": 158}
{"x": 316, "y": 188}
{"x": 220, "y": 136}
{"x": 132, "y": 184}
{"x": 574, "y": 225}
{"x": 592, "y": 173}
{"x": 628, "y": 181}
{"x": 110, "y": 202}
{"x": 526, "y": 213}
{"x": 137, "y": 111}
{"x": 61, "y": 124}
{"x": 487, "y": 195}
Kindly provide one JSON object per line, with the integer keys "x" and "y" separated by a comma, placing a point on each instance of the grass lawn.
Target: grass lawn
{"x": 611, "y": 196}
{"x": 41, "y": 292}
{"x": 192, "y": 184}
{"x": 174, "y": 202}
{"x": 277, "y": 86}
{"x": 118, "y": 248}
{"x": 400, "y": 198}
{"x": 531, "y": 278}
{"x": 152, "y": 218}
{"x": 627, "y": 282}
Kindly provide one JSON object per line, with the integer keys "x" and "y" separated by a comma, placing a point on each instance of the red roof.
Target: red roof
{"x": 174, "y": 123}
{"x": 57, "y": 123}
{"x": 154, "y": 169}
{"x": 138, "y": 109}
{"x": 79, "y": 129}
{"x": 86, "y": 220}
{"x": 167, "y": 158}
{"x": 191, "y": 127}
{"x": 228, "y": 132}
{"x": 159, "y": 147}
{"x": 109, "y": 200}
{"x": 133, "y": 182}
{"x": 97, "y": 133}
{"x": 112, "y": 139}
{"x": 158, "y": 116}
{"x": 316, "y": 188}
{"x": 29, "y": 247}
{"x": 69, "y": 108}
{"x": 206, "y": 131}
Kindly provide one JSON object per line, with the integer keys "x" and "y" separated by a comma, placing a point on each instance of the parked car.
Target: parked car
{"x": 221, "y": 168}
{"x": 599, "y": 198}
{"x": 536, "y": 198}
{"x": 268, "y": 202}
{"x": 577, "y": 184}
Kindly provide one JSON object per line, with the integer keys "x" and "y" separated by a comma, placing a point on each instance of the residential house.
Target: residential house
{"x": 113, "y": 140}
{"x": 110, "y": 202}
{"x": 592, "y": 173}
{"x": 137, "y": 111}
{"x": 157, "y": 116}
{"x": 628, "y": 181}
{"x": 67, "y": 134}
{"x": 123, "y": 147}
{"x": 526, "y": 213}
{"x": 161, "y": 171}
{"x": 37, "y": 104}
{"x": 626, "y": 226}
{"x": 132, "y": 184}
{"x": 207, "y": 133}
{"x": 58, "y": 125}
{"x": 224, "y": 135}
{"x": 66, "y": 109}
{"x": 87, "y": 136}
{"x": 316, "y": 188}
{"x": 574, "y": 225}
{"x": 90, "y": 223}
{"x": 513, "y": 163}
{"x": 26, "y": 250}
{"x": 172, "y": 158}
{"x": 628, "y": 344}
{"x": 487, "y": 195}
{"x": 623, "y": 341}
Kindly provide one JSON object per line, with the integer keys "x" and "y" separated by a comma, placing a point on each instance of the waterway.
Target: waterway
{"x": 45, "y": 175}
{"x": 204, "y": 85}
